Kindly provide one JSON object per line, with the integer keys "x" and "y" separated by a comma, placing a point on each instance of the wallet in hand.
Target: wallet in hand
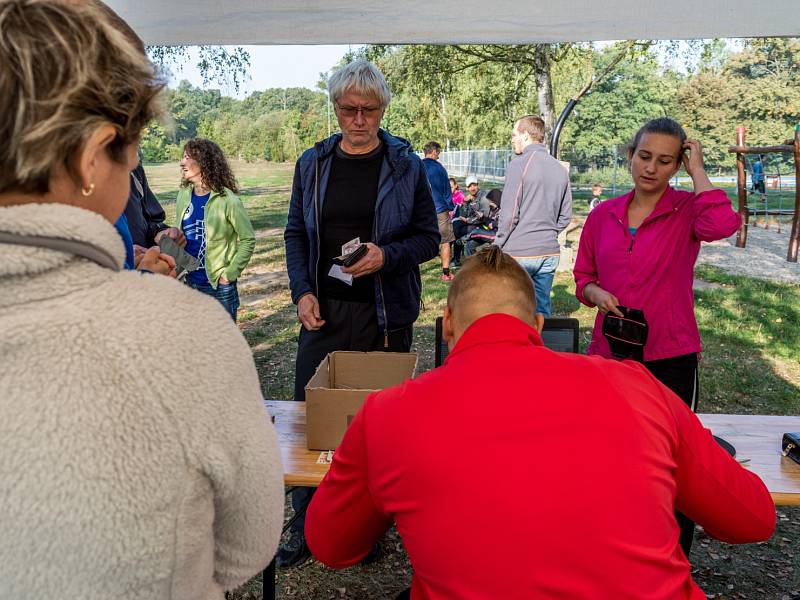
{"x": 185, "y": 263}
{"x": 791, "y": 446}
{"x": 348, "y": 260}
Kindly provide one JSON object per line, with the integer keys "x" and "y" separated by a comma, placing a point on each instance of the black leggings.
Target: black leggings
{"x": 680, "y": 374}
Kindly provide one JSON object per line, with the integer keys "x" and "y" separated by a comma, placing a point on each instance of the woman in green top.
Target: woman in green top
{"x": 213, "y": 219}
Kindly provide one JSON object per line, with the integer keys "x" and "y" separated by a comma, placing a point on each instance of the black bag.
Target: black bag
{"x": 791, "y": 446}
{"x": 626, "y": 335}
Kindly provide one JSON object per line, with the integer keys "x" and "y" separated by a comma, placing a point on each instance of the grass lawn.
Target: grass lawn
{"x": 751, "y": 364}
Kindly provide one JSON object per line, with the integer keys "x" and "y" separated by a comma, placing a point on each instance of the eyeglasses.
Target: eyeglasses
{"x": 352, "y": 111}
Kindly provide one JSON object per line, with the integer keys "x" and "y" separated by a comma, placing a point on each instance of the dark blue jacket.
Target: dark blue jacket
{"x": 144, "y": 213}
{"x": 405, "y": 227}
{"x": 440, "y": 185}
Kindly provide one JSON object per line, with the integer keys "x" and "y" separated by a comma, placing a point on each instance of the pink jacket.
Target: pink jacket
{"x": 654, "y": 271}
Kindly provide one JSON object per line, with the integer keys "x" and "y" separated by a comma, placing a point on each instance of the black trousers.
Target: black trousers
{"x": 680, "y": 374}
{"x": 348, "y": 326}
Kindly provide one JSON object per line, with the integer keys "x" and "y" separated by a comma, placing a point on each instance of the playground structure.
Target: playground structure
{"x": 741, "y": 150}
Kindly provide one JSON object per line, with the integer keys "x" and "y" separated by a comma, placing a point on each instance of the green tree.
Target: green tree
{"x": 707, "y": 110}
{"x": 154, "y": 144}
{"x": 635, "y": 90}
{"x": 216, "y": 64}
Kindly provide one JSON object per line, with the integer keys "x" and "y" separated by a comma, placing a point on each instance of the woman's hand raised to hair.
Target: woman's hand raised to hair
{"x": 693, "y": 163}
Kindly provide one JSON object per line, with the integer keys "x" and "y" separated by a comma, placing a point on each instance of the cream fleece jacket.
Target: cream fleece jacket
{"x": 136, "y": 457}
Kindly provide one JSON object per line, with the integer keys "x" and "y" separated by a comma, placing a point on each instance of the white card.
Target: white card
{"x": 337, "y": 273}
{"x": 351, "y": 246}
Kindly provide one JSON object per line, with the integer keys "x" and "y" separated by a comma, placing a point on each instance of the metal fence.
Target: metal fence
{"x": 611, "y": 170}
{"x": 485, "y": 164}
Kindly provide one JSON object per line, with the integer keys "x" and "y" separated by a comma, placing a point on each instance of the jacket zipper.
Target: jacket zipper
{"x": 316, "y": 219}
{"x": 380, "y": 285}
{"x": 630, "y": 248}
{"x": 208, "y": 237}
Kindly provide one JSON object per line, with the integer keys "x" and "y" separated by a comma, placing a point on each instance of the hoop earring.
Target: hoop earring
{"x": 88, "y": 191}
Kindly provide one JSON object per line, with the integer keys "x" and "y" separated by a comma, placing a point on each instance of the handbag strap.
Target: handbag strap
{"x": 138, "y": 184}
{"x": 518, "y": 194}
{"x": 96, "y": 254}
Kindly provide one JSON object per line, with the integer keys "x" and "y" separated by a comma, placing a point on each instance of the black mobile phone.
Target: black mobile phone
{"x": 350, "y": 259}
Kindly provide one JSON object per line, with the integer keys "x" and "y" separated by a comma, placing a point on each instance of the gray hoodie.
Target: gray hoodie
{"x": 536, "y": 204}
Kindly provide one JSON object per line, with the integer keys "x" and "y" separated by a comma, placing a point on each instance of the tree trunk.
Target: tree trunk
{"x": 544, "y": 89}
{"x": 443, "y": 99}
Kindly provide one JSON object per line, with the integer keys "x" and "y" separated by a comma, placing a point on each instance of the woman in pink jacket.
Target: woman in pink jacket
{"x": 639, "y": 250}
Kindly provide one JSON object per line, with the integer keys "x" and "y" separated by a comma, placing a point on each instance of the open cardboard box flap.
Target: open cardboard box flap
{"x": 339, "y": 386}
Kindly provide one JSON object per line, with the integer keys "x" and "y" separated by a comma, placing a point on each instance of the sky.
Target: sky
{"x": 300, "y": 66}
{"x": 273, "y": 66}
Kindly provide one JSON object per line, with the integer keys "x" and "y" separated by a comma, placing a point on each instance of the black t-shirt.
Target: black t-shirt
{"x": 348, "y": 212}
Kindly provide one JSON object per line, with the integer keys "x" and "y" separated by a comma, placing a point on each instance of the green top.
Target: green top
{"x": 230, "y": 239}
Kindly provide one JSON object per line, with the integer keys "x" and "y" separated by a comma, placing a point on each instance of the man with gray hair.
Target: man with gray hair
{"x": 362, "y": 190}
{"x": 536, "y": 206}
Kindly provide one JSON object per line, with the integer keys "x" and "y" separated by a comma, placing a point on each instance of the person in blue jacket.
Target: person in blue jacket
{"x": 442, "y": 202}
{"x": 758, "y": 176}
{"x": 360, "y": 186}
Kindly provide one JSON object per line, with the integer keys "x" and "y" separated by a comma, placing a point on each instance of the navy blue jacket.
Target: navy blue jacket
{"x": 440, "y": 185}
{"x": 144, "y": 213}
{"x": 405, "y": 227}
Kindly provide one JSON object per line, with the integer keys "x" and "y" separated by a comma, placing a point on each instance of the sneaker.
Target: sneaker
{"x": 293, "y": 552}
{"x": 448, "y": 277}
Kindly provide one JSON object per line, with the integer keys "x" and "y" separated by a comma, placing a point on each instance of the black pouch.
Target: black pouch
{"x": 791, "y": 446}
{"x": 348, "y": 260}
{"x": 626, "y": 335}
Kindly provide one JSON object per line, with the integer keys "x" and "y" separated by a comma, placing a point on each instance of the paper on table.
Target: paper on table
{"x": 325, "y": 458}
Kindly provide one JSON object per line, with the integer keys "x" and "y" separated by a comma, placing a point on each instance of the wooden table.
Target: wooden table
{"x": 755, "y": 437}
{"x": 299, "y": 464}
{"x": 758, "y": 438}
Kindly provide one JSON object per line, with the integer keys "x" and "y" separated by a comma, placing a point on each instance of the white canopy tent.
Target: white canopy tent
{"x": 239, "y": 22}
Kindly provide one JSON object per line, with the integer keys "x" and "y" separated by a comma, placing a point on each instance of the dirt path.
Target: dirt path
{"x": 763, "y": 258}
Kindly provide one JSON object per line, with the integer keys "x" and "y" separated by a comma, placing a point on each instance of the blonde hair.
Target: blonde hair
{"x": 360, "y": 77}
{"x": 491, "y": 281}
{"x": 533, "y": 126}
{"x": 65, "y": 70}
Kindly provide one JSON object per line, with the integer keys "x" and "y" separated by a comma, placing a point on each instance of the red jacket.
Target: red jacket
{"x": 556, "y": 479}
{"x": 654, "y": 270}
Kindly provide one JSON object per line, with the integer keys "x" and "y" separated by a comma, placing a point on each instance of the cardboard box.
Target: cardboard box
{"x": 339, "y": 386}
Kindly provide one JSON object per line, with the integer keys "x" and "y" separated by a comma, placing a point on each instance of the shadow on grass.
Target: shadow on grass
{"x": 273, "y": 339}
{"x": 751, "y": 338}
{"x": 269, "y": 251}
{"x": 267, "y": 207}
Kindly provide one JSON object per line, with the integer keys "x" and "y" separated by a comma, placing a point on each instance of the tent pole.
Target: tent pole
{"x": 559, "y": 124}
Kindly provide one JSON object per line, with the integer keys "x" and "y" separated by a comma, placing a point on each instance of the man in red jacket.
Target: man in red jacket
{"x": 573, "y": 465}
